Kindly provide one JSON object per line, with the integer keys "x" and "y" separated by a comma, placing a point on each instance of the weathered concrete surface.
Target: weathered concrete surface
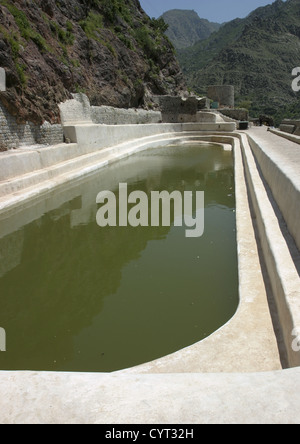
{"x": 279, "y": 160}
{"x": 209, "y": 117}
{"x": 280, "y": 192}
{"x": 101, "y": 136}
{"x": 61, "y": 398}
{"x": 292, "y": 137}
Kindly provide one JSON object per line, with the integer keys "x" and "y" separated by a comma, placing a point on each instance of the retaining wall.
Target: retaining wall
{"x": 236, "y": 114}
{"x": 78, "y": 110}
{"x": 290, "y": 126}
{"x": 14, "y": 135}
{"x": 279, "y": 250}
{"x": 114, "y": 116}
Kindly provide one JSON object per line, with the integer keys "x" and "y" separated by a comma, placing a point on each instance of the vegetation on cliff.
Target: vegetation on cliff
{"x": 109, "y": 49}
{"x": 256, "y": 55}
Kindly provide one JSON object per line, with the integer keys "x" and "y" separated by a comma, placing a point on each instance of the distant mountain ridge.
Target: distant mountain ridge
{"x": 186, "y": 27}
{"x": 256, "y": 55}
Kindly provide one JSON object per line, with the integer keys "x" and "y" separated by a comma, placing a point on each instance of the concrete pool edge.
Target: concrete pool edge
{"x": 76, "y": 398}
{"x": 43, "y": 397}
{"x": 24, "y": 186}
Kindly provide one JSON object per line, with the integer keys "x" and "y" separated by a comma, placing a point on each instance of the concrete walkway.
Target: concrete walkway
{"x": 279, "y": 161}
{"x": 285, "y": 152}
{"x": 62, "y": 398}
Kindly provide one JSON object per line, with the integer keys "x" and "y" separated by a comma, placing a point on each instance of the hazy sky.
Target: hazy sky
{"x": 214, "y": 10}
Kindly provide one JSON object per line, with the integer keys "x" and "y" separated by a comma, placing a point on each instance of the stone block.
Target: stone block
{"x": 287, "y": 128}
{"x": 76, "y": 110}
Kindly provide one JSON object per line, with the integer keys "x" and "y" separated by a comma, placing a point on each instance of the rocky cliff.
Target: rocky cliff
{"x": 108, "y": 49}
{"x": 186, "y": 27}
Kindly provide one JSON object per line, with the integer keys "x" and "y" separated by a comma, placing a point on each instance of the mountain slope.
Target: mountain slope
{"x": 109, "y": 49}
{"x": 186, "y": 27}
{"x": 255, "y": 54}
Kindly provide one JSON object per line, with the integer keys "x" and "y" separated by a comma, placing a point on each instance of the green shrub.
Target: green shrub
{"x": 159, "y": 25}
{"x": 25, "y": 29}
{"x": 91, "y": 25}
{"x": 12, "y": 40}
{"x": 21, "y": 73}
{"x": 65, "y": 37}
{"x": 40, "y": 42}
{"x": 145, "y": 41}
{"x": 127, "y": 42}
{"x": 114, "y": 8}
{"x": 20, "y": 19}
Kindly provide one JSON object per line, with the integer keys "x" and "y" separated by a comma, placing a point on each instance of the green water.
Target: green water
{"x": 77, "y": 297}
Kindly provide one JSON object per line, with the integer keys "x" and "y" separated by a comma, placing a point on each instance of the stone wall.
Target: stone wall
{"x": 114, "y": 116}
{"x": 79, "y": 110}
{"x": 290, "y": 127}
{"x": 76, "y": 110}
{"x": 177, "y": 109}
{"x": 241, "y": 114}
{"x": 14, "y": 135}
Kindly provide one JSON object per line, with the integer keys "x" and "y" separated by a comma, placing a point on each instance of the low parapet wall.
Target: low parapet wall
{"x": 99, "y": 136}
{"x": 238, "y": 114}
{"x": 284, "y": 183}
{"x": 78, "y": 110}
{"x": 90, "y": 148}
{"x": 14, "y": 134}
{"x": 290, "y": 126}
{"x": 108, "y": 115}
{"x": 279, "y": 250}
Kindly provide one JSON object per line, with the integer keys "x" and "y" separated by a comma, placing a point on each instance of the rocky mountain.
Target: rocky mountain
{"x": 109, "y": 49}
{"x": 256, "y": 55}
{"x": 186, "y": 27}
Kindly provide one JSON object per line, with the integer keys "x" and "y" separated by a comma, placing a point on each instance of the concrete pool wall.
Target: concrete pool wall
{"x": 234, "y": 376}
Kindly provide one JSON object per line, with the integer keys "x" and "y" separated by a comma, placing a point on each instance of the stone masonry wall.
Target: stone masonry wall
{"x": 290, "y": 126}
{"x": 14, "y": 135}
{"x": 177, "y": 109}
{"x": 79, "y": 110}
{"x": 115, "y": 116}
{"x": 239, "y": 114}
